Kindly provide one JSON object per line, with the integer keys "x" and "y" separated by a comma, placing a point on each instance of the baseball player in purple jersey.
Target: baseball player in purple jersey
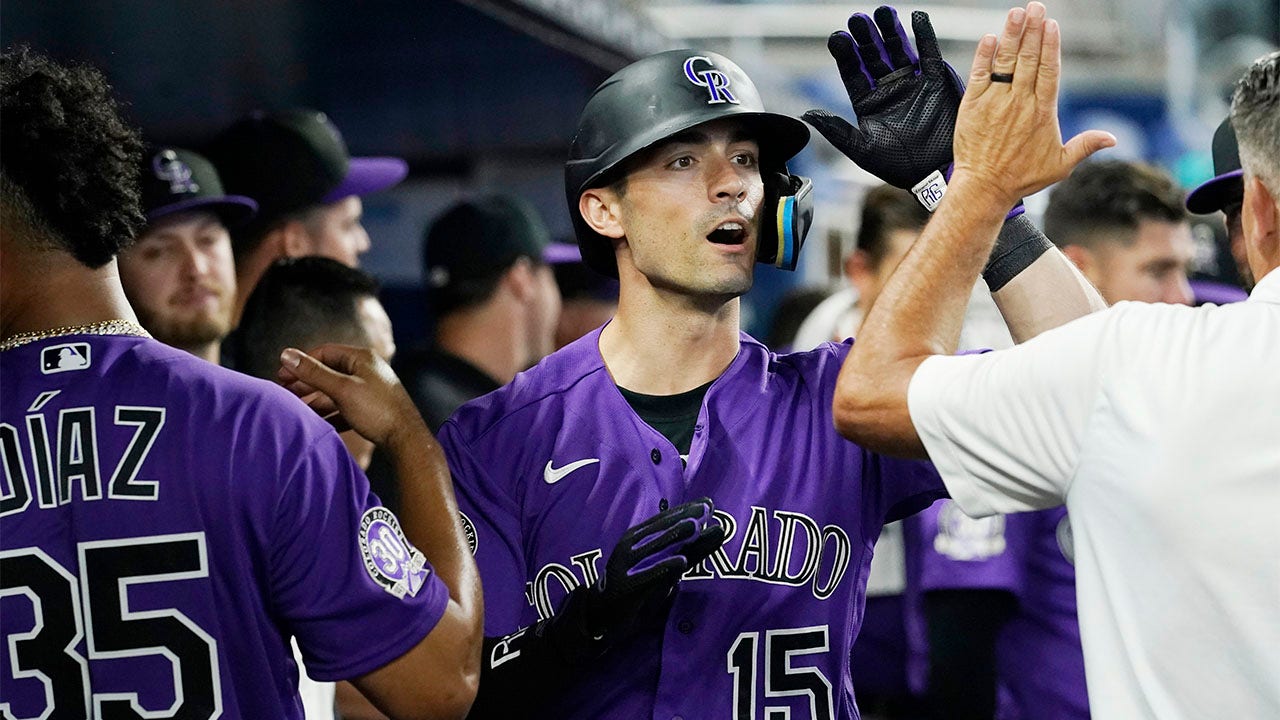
{"x": 677, "y": 185}
{"x": 168, "y": 525}
{"x": 994, "y": 593}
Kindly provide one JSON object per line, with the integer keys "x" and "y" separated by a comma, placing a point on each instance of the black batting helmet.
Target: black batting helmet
{"x": 662, "y": 95}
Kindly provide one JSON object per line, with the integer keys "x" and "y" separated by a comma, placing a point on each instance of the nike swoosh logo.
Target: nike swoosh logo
{"x": 554, "y": 475}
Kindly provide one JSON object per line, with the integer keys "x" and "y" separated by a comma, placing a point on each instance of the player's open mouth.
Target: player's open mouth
{"x": 729, "y": 232}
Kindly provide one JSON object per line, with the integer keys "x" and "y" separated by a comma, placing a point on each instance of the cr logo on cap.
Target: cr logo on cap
{"x": 716, "y": 82}
{"x": 172, "y": 170}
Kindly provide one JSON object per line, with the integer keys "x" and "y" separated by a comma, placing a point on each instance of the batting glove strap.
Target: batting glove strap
{"x": 931, "y": 190}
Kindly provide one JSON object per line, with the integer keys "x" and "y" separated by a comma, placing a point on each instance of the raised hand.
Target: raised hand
{"x": 1007, "y": 136}
{"x": 906, "y": 104}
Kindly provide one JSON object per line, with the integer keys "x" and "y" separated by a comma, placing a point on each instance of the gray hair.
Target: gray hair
{"x": 1255, "y": 115}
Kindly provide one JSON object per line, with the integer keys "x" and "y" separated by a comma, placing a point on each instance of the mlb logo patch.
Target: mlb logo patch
{"x": 65, "y": 357}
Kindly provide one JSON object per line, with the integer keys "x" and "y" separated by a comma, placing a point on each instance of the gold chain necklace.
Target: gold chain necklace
{"x": 106, "y": 327}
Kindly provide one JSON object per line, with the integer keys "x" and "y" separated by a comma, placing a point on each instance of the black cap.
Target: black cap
{"x": 175, "y": 180}
{"x": 291, "y": 160}
{"x": 1227, "y": 186}
{"x": 477, "y": 239}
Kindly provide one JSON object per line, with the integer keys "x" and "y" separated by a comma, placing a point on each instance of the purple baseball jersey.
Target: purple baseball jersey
{"x": 552, "y": 469}
{"x": 166, "y": 525}
{"x": 1039, "y": 662}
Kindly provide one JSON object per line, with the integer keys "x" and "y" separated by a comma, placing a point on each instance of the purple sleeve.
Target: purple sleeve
{"x": 957, "y": 552}
{"x": 494, "y": 519}
{"x": 905, "y": 487}
{"x": 345, "y": 580}
{"x": 893, "y": 488}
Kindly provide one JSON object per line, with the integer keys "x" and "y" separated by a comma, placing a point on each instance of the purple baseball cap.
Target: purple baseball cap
{"x": 367, "y": 175}
{"x": 1218, "y": 293}
{"x": 1227, "y": 185}
{"x": 558, "y": 253}
{"x": 291, "y": 160}
{"x": 174, "y": 180}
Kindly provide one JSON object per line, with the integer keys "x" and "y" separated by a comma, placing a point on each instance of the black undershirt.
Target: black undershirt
{"x": 671, "y": 415}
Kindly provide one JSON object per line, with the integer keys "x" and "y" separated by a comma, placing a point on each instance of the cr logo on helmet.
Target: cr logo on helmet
{"x": 716, "y": 82}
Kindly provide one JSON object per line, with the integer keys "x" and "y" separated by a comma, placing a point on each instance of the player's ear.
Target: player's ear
{"x": 1260, "y": 219}
{"x": 1082, "y": 257}
{"x": 520, "y": 279}
{"x": 294, "y": 239}
{"x": 600, "y": 208}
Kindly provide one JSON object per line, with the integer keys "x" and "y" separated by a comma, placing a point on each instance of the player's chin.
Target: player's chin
{"x": 728, "y": 282}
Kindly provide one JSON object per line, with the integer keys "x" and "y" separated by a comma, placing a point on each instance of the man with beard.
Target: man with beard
{"x": 180, "y": 276}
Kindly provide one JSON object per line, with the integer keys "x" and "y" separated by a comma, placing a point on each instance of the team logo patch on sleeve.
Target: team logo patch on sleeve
{"x": 400, "y": 568}
{"x": 469, "y": 530}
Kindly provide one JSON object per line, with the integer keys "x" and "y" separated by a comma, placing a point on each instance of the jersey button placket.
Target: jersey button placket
{"x": 655, "y": 456}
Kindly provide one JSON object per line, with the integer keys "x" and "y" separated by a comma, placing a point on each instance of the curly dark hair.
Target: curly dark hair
{"x": 68, "y": 162}
{"x": 1103, "y": 196}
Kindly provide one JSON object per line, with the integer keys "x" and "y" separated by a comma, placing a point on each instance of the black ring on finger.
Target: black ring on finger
{"x": 1002, "y": 77}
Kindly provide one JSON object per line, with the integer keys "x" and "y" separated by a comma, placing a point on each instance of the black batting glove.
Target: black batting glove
{"x": 523, "y": 673}
{"x": 643, "y": 569}
{"x": 906, "y": 107}
{"x": 906, "y": 104}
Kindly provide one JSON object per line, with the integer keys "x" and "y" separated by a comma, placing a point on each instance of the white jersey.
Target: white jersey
{"x": 1159, "y": 427}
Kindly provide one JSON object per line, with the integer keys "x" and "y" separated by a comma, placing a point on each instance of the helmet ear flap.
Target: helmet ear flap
{"x": 788, "y": 213}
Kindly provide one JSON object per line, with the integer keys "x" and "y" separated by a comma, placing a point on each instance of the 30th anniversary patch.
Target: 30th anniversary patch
{"x": 400, "y": 568}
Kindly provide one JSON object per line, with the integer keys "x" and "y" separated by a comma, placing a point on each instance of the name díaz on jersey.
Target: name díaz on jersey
{"x": 58, "y": 454}
{"x": 778, "y": 548}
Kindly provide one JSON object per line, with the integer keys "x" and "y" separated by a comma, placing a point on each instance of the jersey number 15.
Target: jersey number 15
{"x": 780, "y": 678}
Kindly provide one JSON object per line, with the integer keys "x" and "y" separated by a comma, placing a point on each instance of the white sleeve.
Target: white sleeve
{"x": 1004, "y": 428}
